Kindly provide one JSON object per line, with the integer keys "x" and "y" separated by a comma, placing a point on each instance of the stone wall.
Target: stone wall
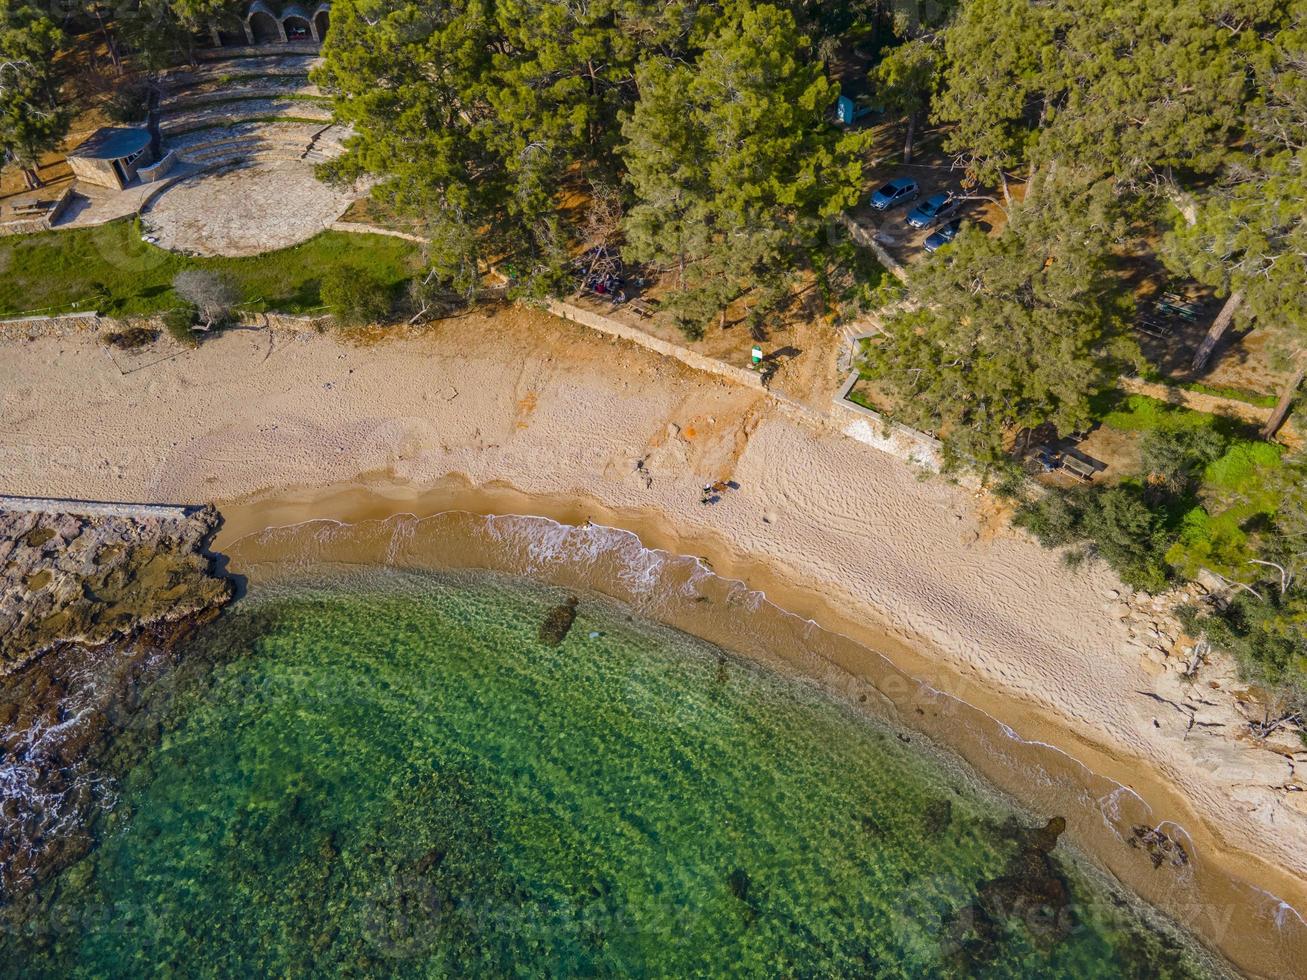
{"x": 615, "y": 328}
{"x": 156, "y": 171}
{"x": 866, "y": 237}
{"x": 359, "y": 228}
{"x": 46, "y": 326}
{"x": 23, "y": 225}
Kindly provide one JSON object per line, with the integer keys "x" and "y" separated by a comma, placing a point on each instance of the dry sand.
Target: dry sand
{"x": 542, "y": 416}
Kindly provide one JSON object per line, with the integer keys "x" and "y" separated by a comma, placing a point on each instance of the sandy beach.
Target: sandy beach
{"x": 518, "y": 412}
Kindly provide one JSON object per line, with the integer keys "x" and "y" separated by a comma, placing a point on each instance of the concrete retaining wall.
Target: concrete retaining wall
{"x": 873, "y": 429}
{"x": 358, "y": 228}
{"x": 155, "y": 171}
{"x": 866, "y": 237}
{"x": 270, "y": 50}
{"x": 615, "y": 328}
{"x": 92, "y": 508}
{"x": 52, "y": 325}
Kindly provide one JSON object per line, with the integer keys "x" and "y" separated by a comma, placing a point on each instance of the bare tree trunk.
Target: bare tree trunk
{"x": 153, "y": 100}
{"x": 1007, "y": 195}
{"x": 1286, "y": 399}
{"x": 1219, "y": 326}
{"x": 109, "y": 41}
{"x": 907, "y": 143}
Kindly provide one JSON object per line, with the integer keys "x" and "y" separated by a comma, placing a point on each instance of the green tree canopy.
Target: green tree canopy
{"x": 1006, "y": 333}
{"x": 904, "y": 82}
{"x": 32, "y": 119}
{"x": 1118, "y": 87}
{"x": 733, "y": 161}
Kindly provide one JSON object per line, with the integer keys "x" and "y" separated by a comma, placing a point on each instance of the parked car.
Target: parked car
{"x": 944, "y": 235}
{"x": 933, "y": 210}
{"x": 896, "y": 192}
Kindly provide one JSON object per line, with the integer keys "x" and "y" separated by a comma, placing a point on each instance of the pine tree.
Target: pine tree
{"x": 408, "y": 79}
{"x": 733, "y": 161}
{"x": 1249, "y": 234}
{"x": 905, "y": 81}
{"x": 32, "y": 118}
{"x": 1007, "y": 333}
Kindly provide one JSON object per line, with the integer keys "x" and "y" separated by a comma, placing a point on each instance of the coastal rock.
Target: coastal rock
{"x": 92, "y": 607}
{"x": 1161, "y": 848}
{"x": 88, "y": 578}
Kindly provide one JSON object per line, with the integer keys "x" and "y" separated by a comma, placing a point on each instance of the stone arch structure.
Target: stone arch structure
{"x": 321, "y": 20}
{"x": 296, "y": 24}
{"x": 262, "y": 26}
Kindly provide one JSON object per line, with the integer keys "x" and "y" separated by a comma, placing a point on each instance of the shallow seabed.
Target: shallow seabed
{"x": 376, "y": 771}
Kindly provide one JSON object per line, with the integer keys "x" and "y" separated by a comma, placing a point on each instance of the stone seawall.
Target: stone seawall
{"x": 873, "y": 429}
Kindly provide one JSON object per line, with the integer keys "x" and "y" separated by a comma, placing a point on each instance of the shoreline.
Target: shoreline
{"x": 355, "y": 505}
{"x": 521, "y": 412}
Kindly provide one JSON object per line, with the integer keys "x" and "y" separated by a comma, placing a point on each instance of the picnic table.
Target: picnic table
{"x": 1172, "y": 304}
{"x": 644, "y": 308}
{"x": 1154, "y": 328}
{"x": 1078, "y": 467}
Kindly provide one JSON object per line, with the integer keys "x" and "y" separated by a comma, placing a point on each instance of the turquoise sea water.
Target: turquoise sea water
{"x": 395, "y": 775}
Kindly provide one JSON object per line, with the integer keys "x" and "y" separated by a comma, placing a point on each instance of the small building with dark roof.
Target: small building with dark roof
{"x": 111, "y": 156}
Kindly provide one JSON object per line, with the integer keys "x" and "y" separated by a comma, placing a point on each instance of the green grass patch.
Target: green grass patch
{"x": 1234, "y": 394}
{"x": 1243, "y": 468}
{"x": 859, "y": 398}
{"x": 1140, "y": 413}
{"x": 108, "y": 268}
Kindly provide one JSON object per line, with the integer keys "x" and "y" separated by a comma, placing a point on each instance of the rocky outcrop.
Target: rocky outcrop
{"x": 78, "y": 576}
{"x": 94, "y": 599}
{"x": 1196, "y": 695}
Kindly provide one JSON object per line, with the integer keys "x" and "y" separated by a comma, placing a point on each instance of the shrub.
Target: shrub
{"x": 131, "y": 338}
{"x": 356, "y": 297}
{"x": 178, "y": 322}
{"x": 1115, "y": 523}
{"x": 1177, "y": 456}
{"x": 1266, "y": 637}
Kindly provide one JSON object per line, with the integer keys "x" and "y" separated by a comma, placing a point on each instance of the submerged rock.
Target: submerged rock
{"x": 938, "y": 815}
{"x": 559, "y": 622}
{"x": 739, "y": 882}
{"x": 1161, "y": 848}
{"x": 1031, "y": 894}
